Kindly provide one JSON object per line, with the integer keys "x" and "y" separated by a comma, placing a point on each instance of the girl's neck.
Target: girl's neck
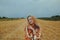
{"x": 33, "y": 25}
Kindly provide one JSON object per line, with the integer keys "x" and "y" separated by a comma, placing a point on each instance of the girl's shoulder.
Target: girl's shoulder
{"x": 28, "y": 27}
{"x": 37, "y": 26}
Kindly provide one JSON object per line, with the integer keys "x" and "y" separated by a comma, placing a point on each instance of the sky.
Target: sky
{"x": 23, "y": 8}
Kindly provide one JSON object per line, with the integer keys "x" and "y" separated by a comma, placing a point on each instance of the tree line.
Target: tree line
{"x": 54, "y": 18}
{"x": 3, "y": 17}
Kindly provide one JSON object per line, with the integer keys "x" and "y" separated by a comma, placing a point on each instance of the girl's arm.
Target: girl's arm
{"x": 28, "y": 33}
{"x": 39, "y": 34}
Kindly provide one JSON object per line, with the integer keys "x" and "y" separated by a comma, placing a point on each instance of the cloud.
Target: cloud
{"x": 19, "y": 8}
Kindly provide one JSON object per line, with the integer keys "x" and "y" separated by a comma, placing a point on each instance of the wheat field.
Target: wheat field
{"x": 14, "y": 29}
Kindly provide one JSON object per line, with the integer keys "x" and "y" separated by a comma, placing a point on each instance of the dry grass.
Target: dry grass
{"x": 14, "y": 30}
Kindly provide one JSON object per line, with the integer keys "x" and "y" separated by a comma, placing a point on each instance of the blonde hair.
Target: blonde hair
{"x": 34, "y": 19}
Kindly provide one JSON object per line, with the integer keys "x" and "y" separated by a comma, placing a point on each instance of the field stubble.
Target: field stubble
{"x": 14, "y": 30}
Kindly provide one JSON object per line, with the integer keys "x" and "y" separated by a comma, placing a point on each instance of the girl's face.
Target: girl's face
{"x": 30, "y": 20}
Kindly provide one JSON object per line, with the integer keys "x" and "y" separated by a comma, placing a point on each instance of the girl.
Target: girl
{"x": 32, "y": 31}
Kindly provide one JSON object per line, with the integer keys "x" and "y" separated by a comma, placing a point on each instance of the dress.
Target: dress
{"x": 30, "y": 32}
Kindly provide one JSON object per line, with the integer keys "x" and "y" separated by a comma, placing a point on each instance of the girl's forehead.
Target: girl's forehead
{"x": 30, "y": 18}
